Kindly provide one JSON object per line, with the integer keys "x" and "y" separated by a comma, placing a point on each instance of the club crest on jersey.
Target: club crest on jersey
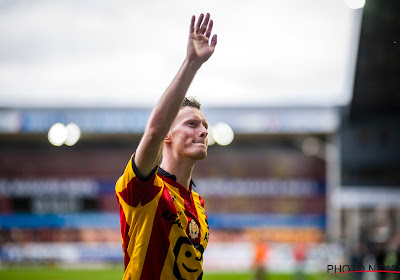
{"x": 193, "y": 229}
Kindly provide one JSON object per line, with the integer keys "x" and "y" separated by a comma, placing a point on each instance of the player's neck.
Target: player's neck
{"x": 182, "y": 169}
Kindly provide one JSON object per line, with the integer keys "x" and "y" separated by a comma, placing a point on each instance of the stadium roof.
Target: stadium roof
{"x": 377, "y": 87}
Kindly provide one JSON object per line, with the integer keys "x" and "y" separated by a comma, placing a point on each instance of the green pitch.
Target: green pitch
{"x": 45, "y": 273}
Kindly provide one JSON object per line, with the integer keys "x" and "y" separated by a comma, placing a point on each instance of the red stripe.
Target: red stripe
{"x": 201, "y": 201}
{"x": 125, "y": 236}
{"x": 159, "y": 242}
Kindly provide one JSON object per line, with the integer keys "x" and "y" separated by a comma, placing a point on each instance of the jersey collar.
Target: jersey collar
{"x": 164, "y": 173}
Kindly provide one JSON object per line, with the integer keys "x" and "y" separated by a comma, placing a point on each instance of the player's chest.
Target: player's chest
{"x": 186, "y": 213}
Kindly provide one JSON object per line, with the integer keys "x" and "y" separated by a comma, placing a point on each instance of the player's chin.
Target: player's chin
{"x": 201, "y": 154}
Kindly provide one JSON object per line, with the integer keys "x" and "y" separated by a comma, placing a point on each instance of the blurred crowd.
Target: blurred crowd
{"x": 58, "y": 235}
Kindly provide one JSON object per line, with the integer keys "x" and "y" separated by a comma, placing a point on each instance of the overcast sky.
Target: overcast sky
{"x": 100, "y": 53}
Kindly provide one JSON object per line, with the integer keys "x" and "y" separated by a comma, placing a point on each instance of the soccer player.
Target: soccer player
{"x": 164, "y": 224}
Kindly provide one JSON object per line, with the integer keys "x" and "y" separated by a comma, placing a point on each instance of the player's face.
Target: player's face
{"x": 189, "y": 133}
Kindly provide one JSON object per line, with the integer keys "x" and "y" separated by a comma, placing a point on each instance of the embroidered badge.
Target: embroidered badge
{"x": 193, "y": 229}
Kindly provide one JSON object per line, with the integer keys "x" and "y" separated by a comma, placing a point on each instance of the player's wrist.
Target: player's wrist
{"x": 193, "y": 64}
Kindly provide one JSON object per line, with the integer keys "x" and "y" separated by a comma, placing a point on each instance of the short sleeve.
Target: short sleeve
{"x": 134, "y": 189}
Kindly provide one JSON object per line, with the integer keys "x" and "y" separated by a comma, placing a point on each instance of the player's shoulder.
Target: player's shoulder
{"x": 198, "y": 197}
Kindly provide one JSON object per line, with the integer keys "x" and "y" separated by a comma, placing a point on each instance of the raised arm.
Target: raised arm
{"x": 199, "y": 50}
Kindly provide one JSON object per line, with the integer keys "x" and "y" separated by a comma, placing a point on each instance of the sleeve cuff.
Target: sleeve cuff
{"x": 137, "y": 173}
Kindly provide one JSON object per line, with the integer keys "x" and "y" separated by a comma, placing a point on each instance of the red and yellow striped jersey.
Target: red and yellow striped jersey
{"x": 164, "y": 226}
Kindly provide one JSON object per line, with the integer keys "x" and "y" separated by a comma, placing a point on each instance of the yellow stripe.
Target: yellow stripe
{"x": 128, "y": 175}
{"x": 202, "y": 219}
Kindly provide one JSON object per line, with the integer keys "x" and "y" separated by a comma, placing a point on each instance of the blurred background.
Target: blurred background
{"x": 302, "y": 98}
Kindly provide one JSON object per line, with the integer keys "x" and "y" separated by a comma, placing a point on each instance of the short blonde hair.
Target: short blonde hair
{"x": 191, "y": 102}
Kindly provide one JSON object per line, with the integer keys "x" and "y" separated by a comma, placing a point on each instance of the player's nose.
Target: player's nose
{"x": 203, "y": 132}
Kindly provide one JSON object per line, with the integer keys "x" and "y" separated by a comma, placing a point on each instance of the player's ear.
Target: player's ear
{"x": 167, "y": 138}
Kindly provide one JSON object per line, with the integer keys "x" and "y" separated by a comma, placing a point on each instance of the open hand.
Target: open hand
{"x": 199, "y": 50}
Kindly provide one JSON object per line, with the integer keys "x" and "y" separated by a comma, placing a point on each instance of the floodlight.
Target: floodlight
{"x": 223, "y": 133}
{"x": 74, "y": 133}
{"x": 57, "y": 134}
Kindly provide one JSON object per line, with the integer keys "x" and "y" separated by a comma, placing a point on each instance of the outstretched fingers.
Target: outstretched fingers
{"x": 191, "y": 30}
{"x": 198, "y": 24}
{"x": 203, "y": 27}
{"x": 209, "y": 29}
